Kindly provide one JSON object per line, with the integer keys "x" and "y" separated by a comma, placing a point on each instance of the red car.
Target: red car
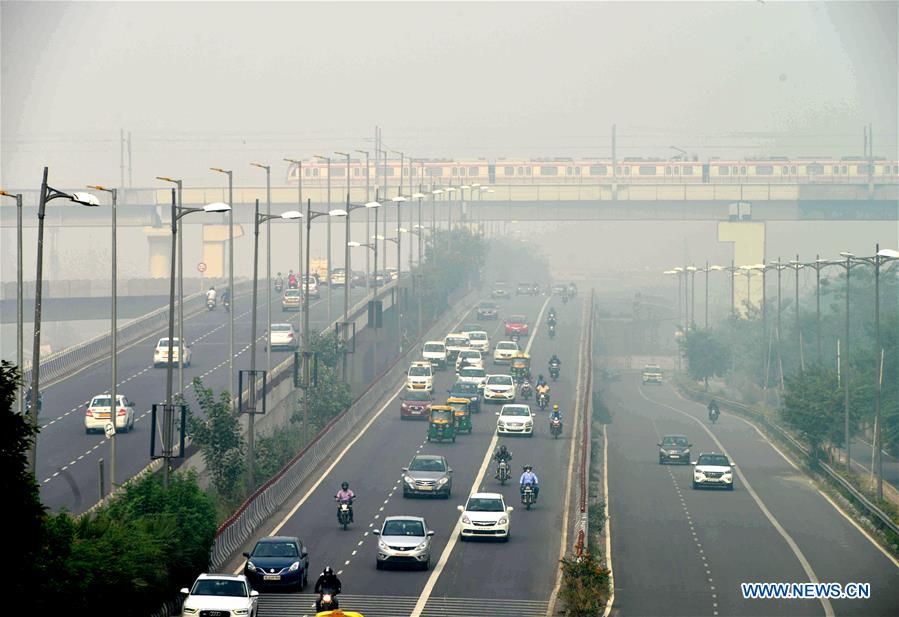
{"x": 517, "y": 324}
{"x": 415, "y": 404}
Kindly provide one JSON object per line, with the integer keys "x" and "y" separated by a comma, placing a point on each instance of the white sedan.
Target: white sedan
{"x": 515, "y": 420}
{"x": 97, "y": 415}
{"x": 220, "y": 594}
{"x": 473, "y": 375}
{"x": 499, "y": 389}
{"x": 505, "y": 351}
{"x": 161, "y": 352}
{"x": 283, "y": 336}
{"x": 485, "y": 515}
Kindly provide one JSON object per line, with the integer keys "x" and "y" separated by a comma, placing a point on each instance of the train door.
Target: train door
{"x": 491, "y": 173}
{"x": 705, "y": 172}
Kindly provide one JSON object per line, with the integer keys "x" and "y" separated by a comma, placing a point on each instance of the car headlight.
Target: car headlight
{"x": 408, "y": 480}
{"x": 240, "y": 611}
{"x": 294, "y": 566}
{"x": 251, "y": 566}
{"x": 190, "y": 610}
{"x": 528, "y": 424}
{"x": 686, "y": 452}
{"x": 422, "y": 546}
{"x": 442, "y": 480}
{"x": 382, "y": 546}
{"x": 502, "y": 521}
{"x": 466, "y": 520}
{"x": 664, "y": 451}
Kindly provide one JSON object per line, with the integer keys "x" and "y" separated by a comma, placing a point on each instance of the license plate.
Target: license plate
{"x": 102, "y": 416}
{"x": 426, "y": 488}
{"x": 674, "y": 456}
{"x": 272, "y": 577}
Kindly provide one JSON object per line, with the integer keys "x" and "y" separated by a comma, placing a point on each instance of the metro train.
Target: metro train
{"x": 442, "y": 172}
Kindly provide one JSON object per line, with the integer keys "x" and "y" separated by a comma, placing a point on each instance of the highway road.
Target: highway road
{"x": 465, "y": 579}
{"x": 68, "y": 458}
{"x": 679, "y": 551}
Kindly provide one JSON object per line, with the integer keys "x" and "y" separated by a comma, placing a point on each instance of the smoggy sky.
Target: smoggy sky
{"x": 224, "y": 83}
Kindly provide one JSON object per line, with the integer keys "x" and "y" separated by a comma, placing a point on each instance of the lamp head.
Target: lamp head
{"x": 85, "y": 199}
{"x": 217, "y": 206}
{"x": 292, "y": 214}
{"x": 337, "y": 212}
{"x": 373, "y": 204}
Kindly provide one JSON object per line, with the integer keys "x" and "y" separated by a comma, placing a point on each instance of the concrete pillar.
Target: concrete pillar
{"x": 748, "y": 238}
{"x": 215, "y": 249}
{"x": 159, "y": 240}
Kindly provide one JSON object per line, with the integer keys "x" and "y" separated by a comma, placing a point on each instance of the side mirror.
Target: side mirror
{"x": 430, "y": 533}
{"x": 497, "y": 413}
{"x": 254, "y": 594}
{"x": 405, "y": 469}
{"x": 304, "y": 554}
{"x": 693, "y": 463}
{"x": 460, "y": 508}
{"x": 733, "y": 464}
{"x": 509, "y": 508}
{"x": 689, "y": 445}
{"x": 185, "y": 591}
{"x": 376, "y": 532}
{"x": 247, "y": 555}
{"x": 449, "y": 471}
{"x": 659, "y": 445}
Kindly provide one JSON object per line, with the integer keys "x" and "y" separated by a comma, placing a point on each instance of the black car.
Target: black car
{"x": 674, "y": 449}
{"x": 470, "y": 391}
{"x": 278, "y": 562}
{"x": 488, "y": 310}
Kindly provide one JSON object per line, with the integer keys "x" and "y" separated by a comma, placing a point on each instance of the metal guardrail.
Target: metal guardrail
{"x": 270, "y": 496}
{"x": 75, "y": 358}
{"x": 583, "y": 524}
{"x": 882, "y": 517}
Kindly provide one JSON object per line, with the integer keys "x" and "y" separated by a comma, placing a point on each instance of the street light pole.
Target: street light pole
{"x": 327, "y": 160}
{"x": 230, "y": 175}
{"x": 367, "y": 221}
{"x": 20, "y": 312}
{"x": 299, "y": 165}
{"x": 178, "y": 184}
{"x": 268, "y": 258}
{"x": 399, "y": 273}
{"x": 797, "y": 266}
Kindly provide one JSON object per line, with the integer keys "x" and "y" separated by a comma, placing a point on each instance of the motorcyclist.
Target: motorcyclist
{"x": 292, "y": 280}
{"x": 328, "y": 581}
{"x": 556, "y": 413}
{"x": 210, "y": 295}
{"x": 525, "y": 388}
{"x": 529, "y": 477}
{"x": 542, "y": 386}
{"x": 40, "y": 400}
{"x": 552, "y": 313}
{"x": 346, "y": 495}
{"x": 554, "y": 361}
{"x": 226, "y": 296}
{"x": 714, "y": 412}
{"x": 551, "y": 320}
{"x": 501, "y": 454}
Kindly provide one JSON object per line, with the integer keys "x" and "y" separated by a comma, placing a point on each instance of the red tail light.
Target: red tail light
{"x": 122, "y": 411}
{"x": 90, "y": 414}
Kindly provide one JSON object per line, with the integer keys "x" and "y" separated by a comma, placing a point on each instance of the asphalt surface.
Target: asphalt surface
{"x": 68, "y": 458}
{"x": 477, "y": 577}
{"x": 680, "y": 551}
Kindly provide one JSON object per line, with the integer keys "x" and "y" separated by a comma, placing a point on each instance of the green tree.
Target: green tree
{"x": 813, "y": 404}
{"x": 219, "y": 437}
{"x": 707, "y": 355}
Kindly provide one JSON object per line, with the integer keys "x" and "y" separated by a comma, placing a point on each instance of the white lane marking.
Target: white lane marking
{"x": 454, "y": 535}
{"x": 337, "y": 459}
{"x": 800, "y": 556}
{"x": 836, "y": 506}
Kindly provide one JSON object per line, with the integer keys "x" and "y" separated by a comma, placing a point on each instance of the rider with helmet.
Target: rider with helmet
{"x": 500, "y": 455}
{"x": 714, "y": 412}
{"x": 346, "y": 495}
{"x": 529, "y": 477}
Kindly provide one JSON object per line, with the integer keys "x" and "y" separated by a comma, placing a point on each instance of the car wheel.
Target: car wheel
{"x": 87, "y": 431}
{"x": 695, "y": 485}
{"x": 506, "y": 537}
{"x": 426, "y": 565}
{"x": 461, "y": 537}
{"x": 406, "y": 493}
{"x": 730, "y": 486}
{"x": 661, "y": 462}
{"x": 379, "y": 565}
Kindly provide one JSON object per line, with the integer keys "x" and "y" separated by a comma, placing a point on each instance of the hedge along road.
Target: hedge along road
{"x": 487, "y": 577}
{"x": 68, "y": 458}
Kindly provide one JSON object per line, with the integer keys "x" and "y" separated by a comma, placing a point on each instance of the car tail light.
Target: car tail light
{"x": 90, "y": 414}
{"x": 122, "y": 411}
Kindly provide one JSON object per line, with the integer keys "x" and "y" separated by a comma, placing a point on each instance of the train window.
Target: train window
{"x": 435, "y": 171}
{"x": 521, "y": 171}
{"x": 861, "y": 169}
{"x": 461, "y": 171}
{"x": 668, "y": 170}
{"x": 676, "y": 170}
{"x": 618, "y": 171}
{"x": 743, "y": 170}
{"x": 733, "y": 170}
{"x": 509, "y": 171}
{"x": 569, "y": 171}
{"x": 527, "y": 170}
{"x": 316, "y": 172}
{"x": 793, "y": 169}
{"x": 337, "y": 172}
{"x": 785, "y": 171}
{"x": 764, "y": 170}
{"x": 357, "y": 172}
{"x": 895, "y": 170}
{"x": 647, "y": 170}
{"x": 455, "y": 171}
{"x": 308, "y": 172}
{"x": 723, "y": 170}
{"x": 688, "y": 170}
{"x": 836, "y": 169}
{"x": 598, "y": 170}
{"x": 844, "y": 169}
{"x": 813, "y": 169}
{"x": 390, "y": 171}
{"x": 549, "y": 170}
{"x": 472, "y": 171}
{"x": 627, "y": 171}
{"x": 405, "y": 171}
{"x": 577, "y": 171}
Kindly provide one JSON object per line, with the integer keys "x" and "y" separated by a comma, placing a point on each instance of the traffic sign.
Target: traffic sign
{"x": 109, "y": 429}
{"x": 201, "y": 267}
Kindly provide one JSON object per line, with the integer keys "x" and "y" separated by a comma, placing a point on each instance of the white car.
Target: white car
{"x": 283, "y": 336}
{"x": 420, "y": 376}
{"x": 220, "y": 594}
{"x": 455, "y": 343}
{"x": 485, "y": 515}
{"x": 515, "y": 420}
{"x": 311, "y": 285}
{"x": 713, "y": 469}
{"x": 505, "y": 351}
{"x": 479, "y": 340}
{"x": 97, "y": 414}
{"x": 161, "y": 353}
{"x": 499, "y": 389}
{"x": 472, "y": 356}
{"x": 338, "y": 277}
{"x": 473, "y": 375}
{"x": 435, "y": 353}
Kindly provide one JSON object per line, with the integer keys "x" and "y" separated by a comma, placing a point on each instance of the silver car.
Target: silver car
{"x": 283, "y": 336}
{"x": 428, "y": 474}
{"x": 404, "y": 540}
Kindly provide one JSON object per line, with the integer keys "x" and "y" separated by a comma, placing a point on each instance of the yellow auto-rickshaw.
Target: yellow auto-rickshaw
{"x": 521, "y": 367}
{"x": 462, "y": 411}
{"x": 339, "y": 613}
{"x": 441, "y": 423}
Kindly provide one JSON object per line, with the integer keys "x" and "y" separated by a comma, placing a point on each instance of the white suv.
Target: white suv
{"x": 499, "y": 389}
{"x": 220, "y": 594}
{"x": 435, "y": 353}
{"x": 515, "y": 420}
{"x": 479, "y": 340}
{"x": 713, "y": 469}
{"x": 420, "y": 376}
{"x": 311, "y": 285}
{"x": 485, "y": 516}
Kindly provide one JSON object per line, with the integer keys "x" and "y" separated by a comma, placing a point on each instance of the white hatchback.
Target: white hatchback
{"x": 515, "y": 420}
{"x": 220, "y": 594}
{"x": 97, "y": 415}
{"x": 420, "y": 376}
{"x": 485, "y": 515}
{"x": 473, "y": 375}
{"x": 505, "y": 351}
{"x": 479, "y": 340}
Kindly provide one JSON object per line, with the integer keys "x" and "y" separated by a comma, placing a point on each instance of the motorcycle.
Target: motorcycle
{"x": 279, "y": 285}
{"x": 525, "y": 390}
{"x": 555, "y": 427}
{"x": 327, "y": 601}
{"x": 552, "y": 330}
{"x": 226, "y": 303}
{"x": 527, "y": 496}
{"x": 503, "y": 472}
{"x": 515, "y": 337}
{"x": 554, "y": 370}
{"x": 345, "y": 513}
{"x": 713, "y": 416}
{"x": 542, "y": 400}
{"x": 210, "y": 304}
{"x": 564, "y": 298}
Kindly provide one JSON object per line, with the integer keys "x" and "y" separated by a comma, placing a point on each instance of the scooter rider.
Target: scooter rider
{"x": 525, "y": 388}
{"x": 556, "y": 414}
{"x": 714, "y": 412}
{"x": 226, "y": 296}
{"x": 292, "y": 280}
{"x": 542, "y": 386}
{"x": 554, "y": 361}
{"x": 346, "y": 495}
{"x": 529, "y": 477}
{"x": 210, "y": 295}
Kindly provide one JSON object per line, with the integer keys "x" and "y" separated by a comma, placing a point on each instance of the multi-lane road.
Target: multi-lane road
{"x": 67, "y": 470}
{"x": 679, "y": 551}
{"x": 465, "y": 579}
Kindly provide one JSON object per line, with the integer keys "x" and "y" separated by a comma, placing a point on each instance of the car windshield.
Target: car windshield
{"x": 292, "y": 293}
{"x": 472, "y": 372}
{"x": 477, "y": 336}
{"x": 488, "y": 305}
{"x": 499, "y": 380}
{"x": 403, "y": 528}
{"x": 462, "y": 387}
{"x": 718, "y": 460}
{"x": 164, "y": 342}
{"x": 427, "y": 464}
{"x": 457, "y": 341}
{"x": 516, "y": 411}
{"x": 517, "y": 319}
{"x": 281, "y": 327}
{"x": 652, "y": 370}
{"x": 470, "y": 353}
{"x": 507, "y": 346}
{"x": 674, "y": 441}
{"x": 435, "y": 347}
{"x": 484, "y": 504}
{"x": 419, "y": 371}
{"x": 417, "y": 395}
{"x": 275, "y": 549}
{"x": 103, "y": 401}
{"x": 219, "y": 587}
